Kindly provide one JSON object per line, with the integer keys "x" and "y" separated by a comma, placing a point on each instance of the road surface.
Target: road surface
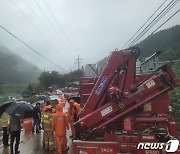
{"x": 32, "y": 144}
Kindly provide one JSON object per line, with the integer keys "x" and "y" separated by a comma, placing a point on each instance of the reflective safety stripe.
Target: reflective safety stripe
{"x": 51, "y": 143}
{"x": 46, "y": 121}
{"x": 46, "y": 116}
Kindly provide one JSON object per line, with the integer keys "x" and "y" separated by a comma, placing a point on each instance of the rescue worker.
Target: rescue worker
{"x": 48, "y": 138}
{"x": 47, "y": 104}
{"x": 76, "y": 111}
{"x": 71, "y": 117}
{"x": 59, "y": 125}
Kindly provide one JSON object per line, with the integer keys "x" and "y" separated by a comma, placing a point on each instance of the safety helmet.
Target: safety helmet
{"x": 59, "y": 107}
{"x": 47, "y": 107}
{"x": 71, "y": 101}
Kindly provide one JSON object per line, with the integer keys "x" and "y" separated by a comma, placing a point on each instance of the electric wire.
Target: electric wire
{"x": 165, "y": 21}
{"x": 32, "y": 49}
{"x": 60, "y": 27}
{"x": 148, "y": 25}
{"x": 50, "y": 24}
{"x": 144, "y": 24}
{"x": 156, "y": 20}
{"x": 33, "y": 25}
{"x": 42, "y": 23}
{"x": 152, "y": 23}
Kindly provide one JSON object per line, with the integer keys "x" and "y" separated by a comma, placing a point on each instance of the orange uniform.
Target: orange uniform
{"x": 77, "y": 106}
{"x": 59, "y": 125}
{"x": 71, "y": 116}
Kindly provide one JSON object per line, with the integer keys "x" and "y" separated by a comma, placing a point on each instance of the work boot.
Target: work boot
{"x": 16, "y": 152}
{"x": 37, "y": 131}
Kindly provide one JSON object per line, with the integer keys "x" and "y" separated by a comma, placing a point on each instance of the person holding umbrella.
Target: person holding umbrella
{"x": 14, "y": 125}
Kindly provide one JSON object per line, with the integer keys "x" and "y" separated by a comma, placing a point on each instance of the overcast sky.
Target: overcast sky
{"x": 61, "y": 29}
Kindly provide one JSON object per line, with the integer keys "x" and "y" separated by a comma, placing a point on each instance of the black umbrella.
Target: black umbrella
{"x": 22, "y": 108}
{"x": 3, "y": 106}
{"x": 40, "y": 97}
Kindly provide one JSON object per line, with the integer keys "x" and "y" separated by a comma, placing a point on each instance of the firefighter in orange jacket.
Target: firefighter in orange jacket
{"x": 59, "y": 125}
{"x": 76, "y": 111}
{"x": 48, "y": 138}
{"x": 70, "y": 114}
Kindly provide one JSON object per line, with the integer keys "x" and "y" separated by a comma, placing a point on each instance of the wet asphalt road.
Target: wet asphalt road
{"x": 32, "y": 144}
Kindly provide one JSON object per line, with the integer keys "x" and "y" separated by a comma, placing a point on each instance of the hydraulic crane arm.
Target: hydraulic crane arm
{"x": 120, "y": 62}
{"x": 116, "y": 94}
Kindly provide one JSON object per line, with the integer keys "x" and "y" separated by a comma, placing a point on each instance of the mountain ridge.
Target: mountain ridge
{"x": 164, "y": 40}
{"x": 16, "y": 70}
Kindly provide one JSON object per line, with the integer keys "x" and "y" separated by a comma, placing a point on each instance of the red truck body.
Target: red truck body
{"x": 122, "y": 109}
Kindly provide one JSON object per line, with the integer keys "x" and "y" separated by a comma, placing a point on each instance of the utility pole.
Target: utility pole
{"x": 78, "y": 62}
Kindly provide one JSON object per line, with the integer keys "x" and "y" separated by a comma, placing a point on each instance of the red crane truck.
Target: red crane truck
{"x": 125, "y": 112}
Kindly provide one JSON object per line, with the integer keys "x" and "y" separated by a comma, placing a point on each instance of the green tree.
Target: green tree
{"x": 53, "y": 79}
{"x": 175, "y": 95}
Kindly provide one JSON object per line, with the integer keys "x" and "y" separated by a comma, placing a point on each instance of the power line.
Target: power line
{"x": 59, "y": 25}
{"x": 33, "y": 25}
{"x": 51, "y": 25}
{"x": 154, "y": 21}
{"x": 144, "y": 24}
{"x": 41, "y": 22}
{"x": 31, "y": 48}
{"x": 165, "y": 21}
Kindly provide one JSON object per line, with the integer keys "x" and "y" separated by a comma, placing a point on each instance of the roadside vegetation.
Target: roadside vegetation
{"x": 172, "y": 56}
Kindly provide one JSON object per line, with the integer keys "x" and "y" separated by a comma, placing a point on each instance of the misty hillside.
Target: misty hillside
{"x": 165, "y": 41}
{"x": 15, "y": 70}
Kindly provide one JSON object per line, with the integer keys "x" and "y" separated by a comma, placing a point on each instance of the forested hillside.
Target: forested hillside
{"x": 15, "y": 70}
{"x": 164, "y": 40}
